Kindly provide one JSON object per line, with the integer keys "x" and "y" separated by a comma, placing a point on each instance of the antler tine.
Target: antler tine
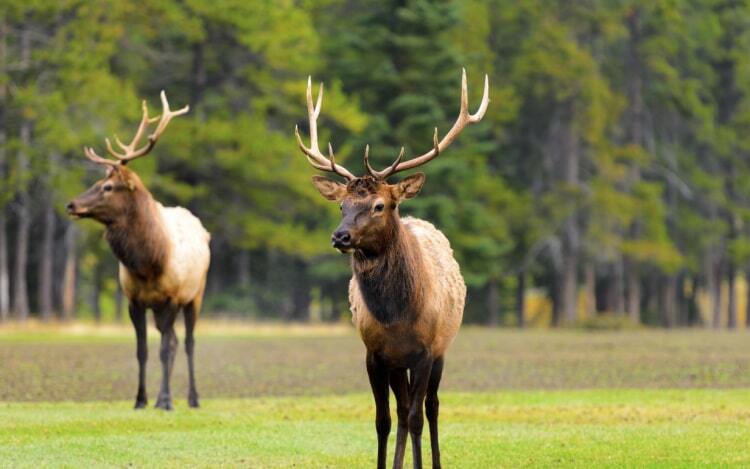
{"x": 91, "y": 154}
{"x": 334, "y": 166}
{"x": 370, "y": 170}
{"x": 477, "y": 116}
{"x": 463, "y": 119}
{"x": 130, "y": 148}
{"x": 387, "y": 171}
{"x": 129, "y": 151}
{"x": 313, "y": 154}
{"x": 166, "y": 116}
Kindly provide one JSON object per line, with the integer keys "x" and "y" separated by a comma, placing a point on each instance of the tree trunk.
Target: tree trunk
{"x": 69, "y": 274}
{"x": 119, "y": 300}
{"x": 634, "y": 291}
{"x": 569, "y": 153}
{"x": 301, "y": 293}
{"x": 589, "y": 272}
{"x": 20, "y": 291}
{"x": 521, "y": 300}
{"x": 693, "y": 314}
{"x": 570, "y": 287}
{"x": 493, "y": 302}
{"x": 668, "y": 290}
{"x": 555, "y": 294}
{"x": 243, "y": 268}
{"x": 4, "y": 273}
{"x": 713, "y": 283}
{"x": 46, "y": 262}
{"x": 732, "y": 294}
{"x": 680, "y": 300}
{"x": 96, "y": 293}
{"x": 618, "y": 290}
{"x": 635, "y": 136}
{"x": 4, "y": 270}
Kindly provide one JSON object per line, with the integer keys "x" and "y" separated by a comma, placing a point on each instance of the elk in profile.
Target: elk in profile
{"x": 163, "y": 252}
{"x": 406, "y": 293}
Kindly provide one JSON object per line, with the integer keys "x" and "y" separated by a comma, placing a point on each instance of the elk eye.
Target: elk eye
{"x": 107, "y": 187}
{"x": 379, "y": 207}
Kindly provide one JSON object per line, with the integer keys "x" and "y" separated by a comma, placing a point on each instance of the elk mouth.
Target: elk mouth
{"x": 76, "y": 213}
{"x": 342, "y": 246}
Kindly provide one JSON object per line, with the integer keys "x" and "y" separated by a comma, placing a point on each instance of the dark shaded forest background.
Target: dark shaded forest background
{"x": 608, "y": 183}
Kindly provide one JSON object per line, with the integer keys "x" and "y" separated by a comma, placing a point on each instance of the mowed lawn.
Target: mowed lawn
{"x": 278, "y": 397}
{"x": 596, "y": 428}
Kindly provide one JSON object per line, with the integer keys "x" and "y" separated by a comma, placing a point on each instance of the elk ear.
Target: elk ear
{"x": 409, "y": 187}
{"x": 328, "y": 188}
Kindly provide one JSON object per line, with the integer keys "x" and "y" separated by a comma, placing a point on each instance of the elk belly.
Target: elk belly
{"x": 189, "y": 257}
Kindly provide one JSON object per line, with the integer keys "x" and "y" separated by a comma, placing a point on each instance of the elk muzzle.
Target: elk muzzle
{"x": 342, "y": 240}
{"x": 74, "y": 210}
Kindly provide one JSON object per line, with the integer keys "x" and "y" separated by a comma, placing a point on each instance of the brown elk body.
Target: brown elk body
{"x": 407, "y": 294}
{"x": 163, "y": 253}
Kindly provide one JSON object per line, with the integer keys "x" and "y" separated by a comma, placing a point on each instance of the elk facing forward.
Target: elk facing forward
{"x": 163, "y": 253}
{"x": 407, "y": 293}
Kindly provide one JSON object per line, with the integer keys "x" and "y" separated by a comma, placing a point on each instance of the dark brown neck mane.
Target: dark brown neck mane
{"x": 390, "y": 281}
{"x": 138, "y": 240}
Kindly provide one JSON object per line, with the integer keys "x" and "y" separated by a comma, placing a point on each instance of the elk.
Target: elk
{"x": 406, "y": 292}
{"x": 163, "y": 251}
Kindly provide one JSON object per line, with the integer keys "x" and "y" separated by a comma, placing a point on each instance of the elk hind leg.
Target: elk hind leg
{"x": 432, "y": 405}
{"x": 165, "y": 318}
{"x": 377, "y": 371}
{"x": 399, "y": 381}
{"x": 190, "y": 318}
{"x": 138, "y": 318}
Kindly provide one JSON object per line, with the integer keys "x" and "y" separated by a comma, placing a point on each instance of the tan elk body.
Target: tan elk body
{"x": 406, "y": 294}
{"x": 184, "y": 253}
{"x": 439, "y": 305}
{"x": 163, "y": 252}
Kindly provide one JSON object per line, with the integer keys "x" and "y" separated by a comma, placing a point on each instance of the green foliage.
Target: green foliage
{"x": 651, "y": 96}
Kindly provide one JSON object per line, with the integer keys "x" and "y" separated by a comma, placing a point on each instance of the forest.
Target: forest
{"x": 609, "y": 180}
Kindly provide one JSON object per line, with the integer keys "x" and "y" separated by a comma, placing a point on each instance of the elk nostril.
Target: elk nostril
{"x": 69, "y": 207}
{"x": 341, "y": 237}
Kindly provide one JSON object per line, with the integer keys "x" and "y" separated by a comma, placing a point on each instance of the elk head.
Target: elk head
{"x": 117, "y": 193}
{"x": 369, "y": 205}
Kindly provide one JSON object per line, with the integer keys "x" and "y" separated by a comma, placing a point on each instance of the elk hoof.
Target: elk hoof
{"x": 193, "y": 401}
{"x": 164, "y": 403}
{"x": 140, "y": 404}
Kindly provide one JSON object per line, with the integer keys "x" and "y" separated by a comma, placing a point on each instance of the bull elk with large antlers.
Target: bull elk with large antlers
{"x": 406, "y": 293}
{"x": 163, "y": 251}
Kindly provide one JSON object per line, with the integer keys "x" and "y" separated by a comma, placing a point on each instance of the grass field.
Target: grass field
{"x": 277, "y": 397}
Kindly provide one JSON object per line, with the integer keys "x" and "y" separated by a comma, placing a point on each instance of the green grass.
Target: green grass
{"x": 615, "y": 428}
{"x": 90, "y": 363}
{"x": 298, "y": 397}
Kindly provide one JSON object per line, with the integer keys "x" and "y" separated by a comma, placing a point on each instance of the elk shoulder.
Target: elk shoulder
{"x": 186, "y": 263}
{"x": 442, "y": 310}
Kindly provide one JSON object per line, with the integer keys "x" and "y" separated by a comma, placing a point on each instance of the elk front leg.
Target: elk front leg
{"x": 431, "y": 409}
{"x": 400, "y": 384}
{"x": 138, "y": 318}
{"x": 190, "y": 317}
{"x": 165, "y": 318}
{"x": 378, "y": 374}
{"x": 420, "y": 377}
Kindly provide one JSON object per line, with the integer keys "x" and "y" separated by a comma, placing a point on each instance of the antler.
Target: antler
{"x": 313, "y": 154}
{"x": 130, "y": 151}
{"x": 464, "y": 118}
